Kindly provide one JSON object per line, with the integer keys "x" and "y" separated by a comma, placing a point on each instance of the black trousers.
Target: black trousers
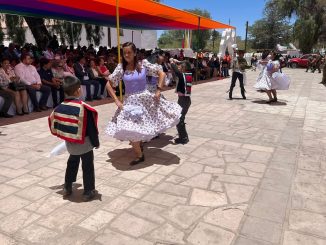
{"x": 102, "y": 82}
{"x": 88, "y": 170}
{"x": 8, "y": 100}
{"x": 235, "y": 76}
{"x": 54, "y": 92}
{"x": 45, "y": 91}
{"x": 88, "y": 84}
{"x": 184, "y": 102}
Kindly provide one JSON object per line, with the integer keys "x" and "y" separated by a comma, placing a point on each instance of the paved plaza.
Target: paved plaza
{"x": 252, "y": 174}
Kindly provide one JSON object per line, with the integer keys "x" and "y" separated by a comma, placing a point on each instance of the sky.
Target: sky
{"x": 237, "y": 11}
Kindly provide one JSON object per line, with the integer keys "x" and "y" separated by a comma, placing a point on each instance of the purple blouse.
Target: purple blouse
{"x": 134, "y": 82}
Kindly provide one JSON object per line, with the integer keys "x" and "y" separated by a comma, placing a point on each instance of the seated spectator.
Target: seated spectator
{"x": 57, "y": 70}
{"x": 8, "y": 101}
{"x": 29, "y": 75}
{"x": 48, "y": 79}
{"x": 49, "y": 53}
{"x": 103, "y": 70}
{"x": 82, "y": 73}
{"x": 12, "y": 85}
{"x": 69, "y": 67}
{"x": 96, "y": 74}
{"x": 11, "y": 52}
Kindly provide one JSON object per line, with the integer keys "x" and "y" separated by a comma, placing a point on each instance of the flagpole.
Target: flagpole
{"x": 118, "y": 43}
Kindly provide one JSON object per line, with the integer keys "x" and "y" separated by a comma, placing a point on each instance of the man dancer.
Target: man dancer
{"x": 239, "y": 64}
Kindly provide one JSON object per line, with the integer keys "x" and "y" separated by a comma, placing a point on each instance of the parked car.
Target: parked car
{"x": 300, "y": 62}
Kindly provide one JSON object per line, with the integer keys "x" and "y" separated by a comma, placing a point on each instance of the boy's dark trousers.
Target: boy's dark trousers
{"x": 235, "y": 76}
{"x": 88, "y": 170}
{"x": 184, "y": 102}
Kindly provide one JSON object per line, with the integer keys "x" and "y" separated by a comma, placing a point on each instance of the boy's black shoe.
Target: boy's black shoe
{"x": 88, "y": 195}
{"x": 181, "y": 141}
{"x": 67, "y": 190}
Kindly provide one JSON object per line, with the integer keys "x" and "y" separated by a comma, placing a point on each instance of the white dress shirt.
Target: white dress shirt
{"x": 28, "y": 74}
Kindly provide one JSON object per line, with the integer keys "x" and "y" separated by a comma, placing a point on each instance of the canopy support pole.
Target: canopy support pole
{"x": 197, "y": 48}
{"x": 118, "y": 43}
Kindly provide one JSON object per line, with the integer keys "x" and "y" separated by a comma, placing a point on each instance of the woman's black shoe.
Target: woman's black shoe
{"x": 20, "y": 113}
{"x": 137, "y": 160}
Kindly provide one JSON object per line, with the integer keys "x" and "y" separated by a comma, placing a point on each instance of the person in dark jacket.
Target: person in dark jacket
{"x": 82, "y": 73}
{"x": 184, "y": 100}
{"x": 67, "y": 122}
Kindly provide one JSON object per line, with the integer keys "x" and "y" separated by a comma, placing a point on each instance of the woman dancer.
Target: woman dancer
{"x": 143, "y": 115}
{"x": 270, "y": 79}
{"x": 156, "y": 58}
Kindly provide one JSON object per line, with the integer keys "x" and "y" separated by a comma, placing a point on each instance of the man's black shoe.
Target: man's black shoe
{"x": 5, "y": 115}
{"x": 181, "y": 141}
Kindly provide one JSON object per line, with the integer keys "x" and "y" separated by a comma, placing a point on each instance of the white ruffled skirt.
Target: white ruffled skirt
{"x": 142, "y": 117}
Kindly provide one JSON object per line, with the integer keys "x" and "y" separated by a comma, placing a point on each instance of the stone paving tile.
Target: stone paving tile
{"x": 210, "y": 235}
{"x": 12, "y": 203}
{"x": 184, "y": 216}
{"x": 293, "y": 238}
{"x": 148, "y": 211}
{"x": 164, "y": 199}
{"x": 60, "y": 220}
{"x": 253, "y": 175}
{"x": 308, "y": 222}
{"x": 207, "y": 198}
{"x": 228, "y": 217}
{"x": 262, "y": 229}
{"x": 36, "y": 234}
{"x": 97, "y": 221}
{"x": 114, "y": 238}
{"x": 132, "y": 225}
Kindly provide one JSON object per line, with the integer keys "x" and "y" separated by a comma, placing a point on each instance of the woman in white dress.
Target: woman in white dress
{"x": 142, "y": 115}
{"x": 270, "y": 79}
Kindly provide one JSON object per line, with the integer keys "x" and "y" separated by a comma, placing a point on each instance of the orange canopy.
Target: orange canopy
{"x": 137, "y": 14}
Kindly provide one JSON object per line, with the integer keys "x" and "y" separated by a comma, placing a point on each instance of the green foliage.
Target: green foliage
{"x": 173, "y": 39}
{"x": 94, "y": 34}
{"x": 15, "y": 29}
{"x": 310, "y": 25}
{"x": 66, "y": 31}
{"x": 272, "y": 29}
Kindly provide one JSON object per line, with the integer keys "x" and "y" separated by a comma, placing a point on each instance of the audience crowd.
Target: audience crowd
{"x": 27, "y": 70}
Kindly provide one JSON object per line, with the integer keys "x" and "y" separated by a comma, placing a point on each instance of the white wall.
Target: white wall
{"x": 149, "y": 39}
{"x": 142, "y": 39}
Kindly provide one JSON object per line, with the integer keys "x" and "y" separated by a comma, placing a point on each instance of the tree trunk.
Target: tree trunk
{"x": 39, "y": 31}
{"x": 324, "y": 73}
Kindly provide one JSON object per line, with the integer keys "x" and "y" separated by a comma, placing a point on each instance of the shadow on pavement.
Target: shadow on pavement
{"x": 120, "y": 158}
{"x": 263, "y": 102}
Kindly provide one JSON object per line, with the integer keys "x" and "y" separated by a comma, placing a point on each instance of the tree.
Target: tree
{"x": 67, "y": 31}
{"x": 215, "y": 35}
{"x": 173, "y": 39}
{"x": 15, "y": 29}
{"x": 39, "y": 31}
{"x": 94, "y": 34}
{"x": 272, "y": 29}
{"x": 310, "y": 25}
{"x": 200, "y": 37}
{"x": 2, "y": 35}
